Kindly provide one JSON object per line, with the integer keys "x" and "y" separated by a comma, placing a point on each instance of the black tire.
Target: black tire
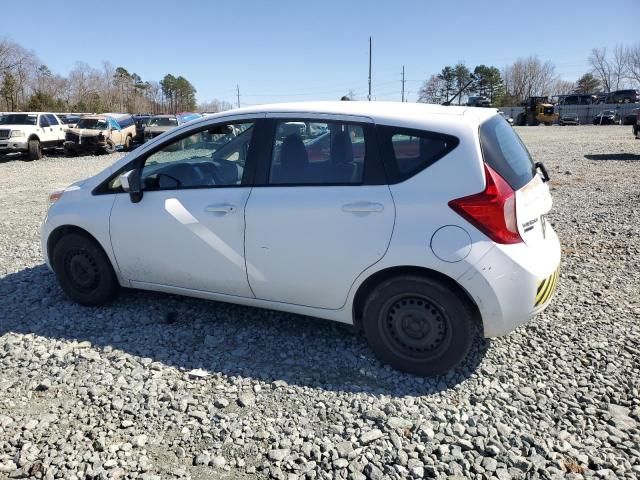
{"x": 109, "y": 147}
{"x": 68, "y": 152}
{"x": 84, "y": 270}
{"x": 127, "y": 144}
{"x": 35, "y": 149}
{"x": 417, "y": 325}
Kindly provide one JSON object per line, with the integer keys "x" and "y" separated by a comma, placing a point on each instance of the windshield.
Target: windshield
{"x": 505, "y": 153}
{"x": 18, "y": 119}
{"x": 163, "y": 122}
{"x": 92, "y": 124}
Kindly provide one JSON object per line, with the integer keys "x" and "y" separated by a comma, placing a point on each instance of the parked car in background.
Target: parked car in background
{"x": 69, "y": 120}
{"x": 607, "y": 117}
{"x": 577, "y": 99}
{"x": 478, "y": 101}
{"x": 158, "y": 124}
{"x": 30, "y": 132}
{"x": 141, "y": 123}
{"x": 619, "y": 96}
{"x": 432, "y": 231}
{"x": 632, "y": 117}
{"x": 104, "y": 133}
{"x": 569, "y": 119}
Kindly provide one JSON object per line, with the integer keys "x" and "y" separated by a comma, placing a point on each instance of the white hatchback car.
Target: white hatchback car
{"x": 417, "y": 223}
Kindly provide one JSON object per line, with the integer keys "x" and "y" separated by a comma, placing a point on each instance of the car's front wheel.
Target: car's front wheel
{"x": 418, "y": 325}
{"x": 84, "y": 270}
{"x": 35, "y": 149}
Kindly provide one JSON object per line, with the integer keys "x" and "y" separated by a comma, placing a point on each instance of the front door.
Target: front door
{"x": 188, "y": 229}
{"x": 322, "y": 216}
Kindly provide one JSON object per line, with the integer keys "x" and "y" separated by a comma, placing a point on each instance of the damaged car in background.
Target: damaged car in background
{"x": 158, "y": 124}
{"x": 104, "y": 133}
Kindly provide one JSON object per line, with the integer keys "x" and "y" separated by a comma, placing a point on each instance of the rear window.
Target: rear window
{"x": 505, "y": 153}
{"x": 407, "y": 152}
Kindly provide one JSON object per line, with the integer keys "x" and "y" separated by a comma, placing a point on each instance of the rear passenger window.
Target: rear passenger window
{"x": 317, "y": 153}
{"x": 407, "y": 152}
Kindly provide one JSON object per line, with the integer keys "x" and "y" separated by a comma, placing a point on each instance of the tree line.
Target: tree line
{"x": 531, "y": 76}
{"x": 27, "y": 84}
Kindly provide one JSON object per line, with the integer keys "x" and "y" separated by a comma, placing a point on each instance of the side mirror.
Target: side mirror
{"x": 130, "y": 182}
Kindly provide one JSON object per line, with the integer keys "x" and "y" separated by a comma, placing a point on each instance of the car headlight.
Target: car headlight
{"x": 16, "y": 133}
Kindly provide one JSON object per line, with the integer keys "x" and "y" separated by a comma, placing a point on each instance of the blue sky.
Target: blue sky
{"x": 296, "y": 50}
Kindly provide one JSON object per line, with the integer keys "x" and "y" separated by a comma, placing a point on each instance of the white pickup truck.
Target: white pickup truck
{"x": 30, "y": 132}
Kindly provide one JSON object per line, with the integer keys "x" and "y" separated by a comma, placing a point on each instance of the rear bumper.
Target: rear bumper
{"x": 512, "y": 283}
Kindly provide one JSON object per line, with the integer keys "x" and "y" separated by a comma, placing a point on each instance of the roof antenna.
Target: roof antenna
{"x": 448, "y": 102}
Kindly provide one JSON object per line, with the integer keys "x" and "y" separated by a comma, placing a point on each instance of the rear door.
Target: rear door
{"x": 320, "y": 212}
{"x": 505, "y": 153}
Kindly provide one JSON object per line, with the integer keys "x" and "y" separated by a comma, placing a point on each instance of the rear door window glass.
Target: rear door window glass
{"x": 505, "y": 153}
{"x": 317, "y": 153}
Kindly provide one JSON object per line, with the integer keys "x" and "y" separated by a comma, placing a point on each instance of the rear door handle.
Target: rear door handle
{"x": 223, "y": 208}
{"x": 363, "y": 207}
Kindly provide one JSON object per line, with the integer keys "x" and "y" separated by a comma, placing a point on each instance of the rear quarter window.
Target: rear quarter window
{"x": 505, "y": 153}
{"x": 407, "y": 152}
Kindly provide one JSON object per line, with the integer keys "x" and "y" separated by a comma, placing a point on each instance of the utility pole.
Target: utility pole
{"x": 238, "y": 93}
{"x": 402, "y": 83}
{"x": 369, "y": 96}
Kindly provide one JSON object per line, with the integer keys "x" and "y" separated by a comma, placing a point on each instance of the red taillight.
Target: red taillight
{"x": 492, "y": 211}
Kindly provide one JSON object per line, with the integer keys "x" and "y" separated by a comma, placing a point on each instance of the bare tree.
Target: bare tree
{"x": 563, "y": 87}
{"x": 528, "y": 77}
{"x": 610, "y": 71}
{"x": 432, "y": 90}
{"x": 633, "y": 63}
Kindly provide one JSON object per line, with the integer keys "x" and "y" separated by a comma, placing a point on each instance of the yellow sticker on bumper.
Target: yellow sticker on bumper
{"x": 546, "y": 288}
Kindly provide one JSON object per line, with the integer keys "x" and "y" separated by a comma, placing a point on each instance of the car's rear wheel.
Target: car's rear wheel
{"x": 418, "y": 325}
{"x": 84, "y": 270}
{"x": 35, "y": 149}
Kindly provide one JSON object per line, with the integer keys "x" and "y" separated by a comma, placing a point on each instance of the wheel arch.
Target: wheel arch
{"x": 33, "y": 136}
{"x": 56, "y": 235}
{"x": 375, "y": 279}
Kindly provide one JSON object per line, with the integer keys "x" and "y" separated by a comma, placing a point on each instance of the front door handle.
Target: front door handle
{"x": 362, "y": 207}
{"x": 223, "y": 208}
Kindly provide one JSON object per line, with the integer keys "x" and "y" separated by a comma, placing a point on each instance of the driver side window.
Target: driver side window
{"x": 213, "y": 157}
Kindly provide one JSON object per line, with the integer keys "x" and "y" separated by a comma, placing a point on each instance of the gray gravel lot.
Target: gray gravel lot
{"x": 156, "y": 386}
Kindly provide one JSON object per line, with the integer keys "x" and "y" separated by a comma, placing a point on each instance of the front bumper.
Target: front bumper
{"x": 512, "y": 283}
{"x": 86, "y": 145}
{"x": 9, "y": 145}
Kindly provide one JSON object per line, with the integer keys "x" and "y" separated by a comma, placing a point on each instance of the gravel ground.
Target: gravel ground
{"x": 156, "y": 386}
